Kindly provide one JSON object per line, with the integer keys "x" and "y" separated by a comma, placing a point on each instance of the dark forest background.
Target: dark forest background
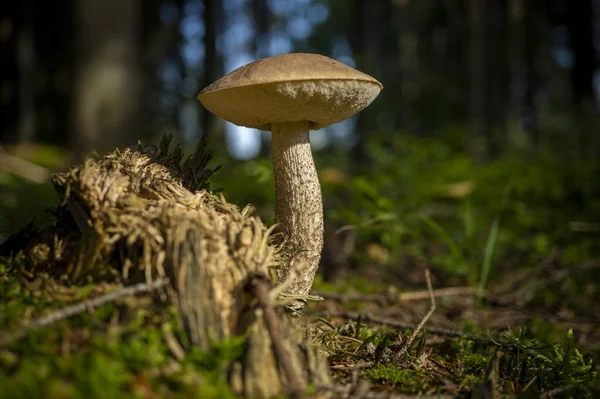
{"x": 92, "y": 75}
{"x": 484, "y": 142}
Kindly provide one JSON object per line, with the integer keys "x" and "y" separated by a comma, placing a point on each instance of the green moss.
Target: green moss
{"x": 118, "y": 351}
{"x": 404, "y": 380}
{"x": 475, "y": 364}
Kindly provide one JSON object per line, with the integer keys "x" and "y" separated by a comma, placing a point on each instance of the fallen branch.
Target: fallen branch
{"x": 348, "y": 389}
{"x": 391, "y": 297}
{"x": 528, "y": 275}
{"x": 557, "y": 391}
{"x": 524, "y": 295}
{"x": 70, "y": 311}
{"x": 366, "y": 317}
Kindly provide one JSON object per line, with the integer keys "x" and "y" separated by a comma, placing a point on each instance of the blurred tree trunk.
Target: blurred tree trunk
{"x": 478, "y": 76}
{"x": 157, "y": 39}
{"x": 262, "y": 22}
{"x": 211, "y": 61}
{"x": 403, "y": 62}
{"x": 533, "y": 42}
{"x": 454, "y": 68}
{"x": 10, "y": 25}
{"x": 55, "y": 41}
{"x": 27, "y": 74}
{"x": 36, "y": 79}
{"x": 525, "y": 41}
{"x": 366, "y": 45}
{"x": 516, "y": 60}
{"x": 579, "y": 22}
{"x": 108, "y": 74}
{"x": 171, "y": 53}
{"x": 498, "y": 80}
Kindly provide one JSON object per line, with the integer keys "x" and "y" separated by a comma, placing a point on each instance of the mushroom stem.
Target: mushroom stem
{"x": 299, "y": 204}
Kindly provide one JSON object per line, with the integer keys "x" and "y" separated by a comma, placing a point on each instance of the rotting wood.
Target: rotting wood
{"x": 144, "y": 216}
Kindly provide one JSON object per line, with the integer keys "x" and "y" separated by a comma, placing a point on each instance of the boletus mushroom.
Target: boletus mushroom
{"x": 289, "y": 95}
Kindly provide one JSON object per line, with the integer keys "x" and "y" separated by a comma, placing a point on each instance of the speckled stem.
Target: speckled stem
{"x": 299, "y": 204}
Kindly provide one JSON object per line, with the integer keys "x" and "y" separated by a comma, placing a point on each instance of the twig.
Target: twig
{"x": 440, "y": 292}
{"x": 539, "y": 283}
{"x": 356, "y": 371}
{"x": 402, "y": 297}
{"x": 386, "y": 217}
{"x": 526, "y": 276}
{"x": 22, "y": 168}
{"x": 70, "y": 311}
{"x": 531, "y": 381}
{"x": 343, "y": 337}
{"x": 556, "y": 391}
{"x": 173, "y": 344}
{"x": 425, "y": 319}
{"x": 347, "y": 389}
{"x": 325, "y": 321}
{"x": 584, "y": 227}
{"x": 261, "y": 288}
{"x": 366, "y": 317}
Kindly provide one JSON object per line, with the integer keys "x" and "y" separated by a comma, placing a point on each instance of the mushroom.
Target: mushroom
{"x": 289, "y": 95}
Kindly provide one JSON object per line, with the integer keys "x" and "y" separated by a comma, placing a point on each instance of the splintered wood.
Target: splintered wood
{"x": 144, "y": 216}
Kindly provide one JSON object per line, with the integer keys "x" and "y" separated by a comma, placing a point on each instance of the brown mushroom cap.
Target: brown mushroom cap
{"x": 290, "y": 88}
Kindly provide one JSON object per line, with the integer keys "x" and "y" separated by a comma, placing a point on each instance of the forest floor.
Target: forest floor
{"x": 440, "y": 343}
{"x": 417, "y": 315}
{"x": 452, "y": 342}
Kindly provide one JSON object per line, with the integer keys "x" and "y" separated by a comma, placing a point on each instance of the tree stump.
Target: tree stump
{"x": 143, "y": 215}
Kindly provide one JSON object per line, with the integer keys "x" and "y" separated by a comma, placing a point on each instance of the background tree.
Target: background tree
{"x": 108, "y": 75}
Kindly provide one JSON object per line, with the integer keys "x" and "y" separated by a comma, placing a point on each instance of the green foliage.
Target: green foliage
{"x": 405, "y": 380}
{"x": 21, "y": 201}
{"x": 418, "y": 199}
{"x": 516, "y": 362}
{"x": 124, "y": 369}
{"x": 421, "y": 199}
{"x": 353, "y": 283}
{"x": 249, "y": 182}
{"x": 564, "y": 365}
